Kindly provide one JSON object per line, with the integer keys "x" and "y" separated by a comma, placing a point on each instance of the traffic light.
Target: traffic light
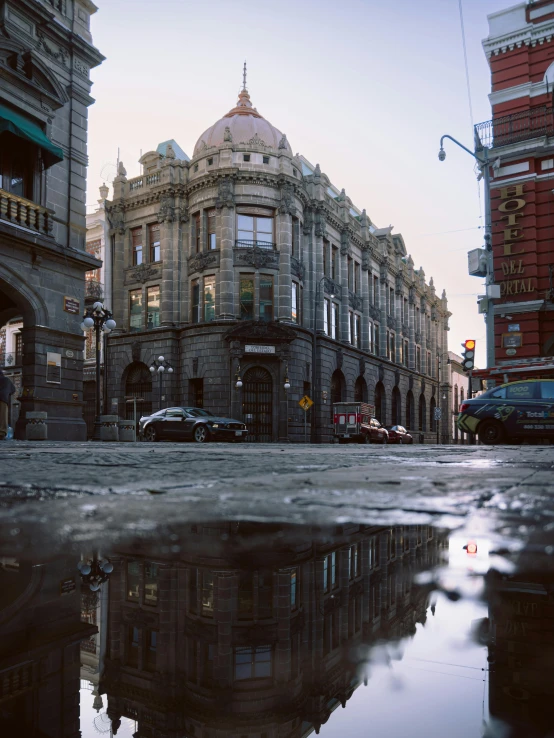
{"x": 468, "y": 355}
{"x": 471, "y": 548}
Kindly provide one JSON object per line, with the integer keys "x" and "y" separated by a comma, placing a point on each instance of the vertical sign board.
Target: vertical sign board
{"x": 53, "y": 367}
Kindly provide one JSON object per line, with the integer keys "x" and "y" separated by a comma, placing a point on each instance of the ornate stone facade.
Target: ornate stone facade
{"x": 268, "y": 237}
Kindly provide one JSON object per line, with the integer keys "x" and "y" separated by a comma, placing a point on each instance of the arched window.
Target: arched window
{"x": 410, "y": 410}
{"x": 337, "y": 389}
{"x": 380, "y": 402}
{"x": 360, "y": 390}
{"x": 396, "y": 409}
{"x": 138, "y": 383}
{"x": 422, "y": 415}
{"x": 432, "y": 421}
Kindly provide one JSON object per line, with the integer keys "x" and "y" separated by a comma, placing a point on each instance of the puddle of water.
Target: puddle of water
{"x": 265, "y": 630}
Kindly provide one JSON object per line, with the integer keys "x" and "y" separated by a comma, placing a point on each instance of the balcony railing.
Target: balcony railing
{"x": 94, "y": 290}
{"x": 15, "y": 209}
{"x": 513, "y": 128}
{"x": 244, "y": 244}
{"x": 137, "y": 183}
{"x": 11, "y": 358}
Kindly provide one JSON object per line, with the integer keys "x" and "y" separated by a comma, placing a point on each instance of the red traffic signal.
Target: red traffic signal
{"x": 471, "y": 548}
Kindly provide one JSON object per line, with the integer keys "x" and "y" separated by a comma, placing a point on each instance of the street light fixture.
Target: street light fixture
{"x": 238, "y": 380}
{"x": 331, "y": 285}
{"x": 94, "y": 571}
{"x": 160, "y": 365}
{"x": 484, "y": 166}
{"x": 101, "y": 319}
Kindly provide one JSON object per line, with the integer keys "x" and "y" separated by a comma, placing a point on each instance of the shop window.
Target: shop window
{"x": 195, "y": 301}
{"x": 154, "y": 241}
{"x": 209, "y": 299}
{"x": 253, "y": 662}
{"x": 151, "y": 584}
{"x": 135, "y": 310}
{"x": 136, "y": 242}
{"x": 246, "y": 298}
{"x": 212, "y": 238}
{"x": 266, "y": 298}
{"x": 153, "y": 307}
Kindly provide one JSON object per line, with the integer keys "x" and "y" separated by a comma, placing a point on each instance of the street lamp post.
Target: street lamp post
{"x": 160, "y": 365}
{"x": 314, "y": 351}
{"x": 484, "y": 166}
{"x": 286, "y": 387}
{"x": 99, "y": 318}
{"x": 441, "y": 409}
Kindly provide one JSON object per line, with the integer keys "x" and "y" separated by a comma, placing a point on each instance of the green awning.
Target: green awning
{"x": 25, "y": 128}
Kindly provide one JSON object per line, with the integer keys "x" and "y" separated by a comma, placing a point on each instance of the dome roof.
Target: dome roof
{"x": 246, "y": 126}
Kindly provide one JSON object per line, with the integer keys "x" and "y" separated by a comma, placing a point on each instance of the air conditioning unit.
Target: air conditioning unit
{"x": 477, "y": 263}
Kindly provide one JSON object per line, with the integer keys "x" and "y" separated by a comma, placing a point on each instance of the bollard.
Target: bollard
{"x": 108, "y": 428}
{"x": 127, "y": 431}
{"x": 36, "y": 428}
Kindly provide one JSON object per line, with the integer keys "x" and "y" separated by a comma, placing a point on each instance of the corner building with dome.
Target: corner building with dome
{"x": 225, "y": 263}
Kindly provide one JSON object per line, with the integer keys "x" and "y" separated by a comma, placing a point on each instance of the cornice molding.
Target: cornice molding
{"x": 530, "y": 35}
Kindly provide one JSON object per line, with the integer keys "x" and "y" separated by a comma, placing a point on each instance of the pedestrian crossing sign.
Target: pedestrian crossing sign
{"x": 306, "y": 403}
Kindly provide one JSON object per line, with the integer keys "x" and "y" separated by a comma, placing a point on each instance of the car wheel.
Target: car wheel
{"x": 201, "y": 434}
{"x": 384, "y": 439}
{"x": 491, "y": 432}
{"x": 150, "y": 434}
{"x": 367, "y": 439}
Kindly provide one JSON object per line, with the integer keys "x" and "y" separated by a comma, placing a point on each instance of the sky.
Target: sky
{"x": 365, "y": 88}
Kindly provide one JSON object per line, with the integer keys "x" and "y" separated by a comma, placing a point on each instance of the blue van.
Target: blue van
{"x": 513, "y": 411}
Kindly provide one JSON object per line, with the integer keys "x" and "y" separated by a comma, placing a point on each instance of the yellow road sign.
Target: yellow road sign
{"x": 306, "y": 403}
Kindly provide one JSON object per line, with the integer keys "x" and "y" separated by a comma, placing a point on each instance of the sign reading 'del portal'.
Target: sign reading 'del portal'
{"x": 511, "y": 208}
{"x": 71, "y": 305}
{"x": 251, "y": 349}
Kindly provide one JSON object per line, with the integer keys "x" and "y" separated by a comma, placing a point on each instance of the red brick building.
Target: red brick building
{"x": 520, "y": 49}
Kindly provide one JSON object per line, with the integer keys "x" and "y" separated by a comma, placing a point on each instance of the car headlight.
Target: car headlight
{"x": 215, "y": 425}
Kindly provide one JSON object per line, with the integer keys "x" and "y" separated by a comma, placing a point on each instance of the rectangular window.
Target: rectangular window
{"x": 195, "y": 301}
{"x": 209, "y": 298}
{"x": 330, "y": 572}
{"x": 207, "y": 594}
{"x": 334, "y": 262}
{"x": 326, "y": 316}
{"x": 196, "y": 244}
{"x": 210, "y": 222}
{"x": 153, "y": 307}
{"x": 418, "y": 358}
{"x": 293, "y": 588}
{"x": 266, "y": 298}
{"x": 246, "y": 595}
{"x": 350, "y": 272}
{"x": 391, "y": 300}
{"x": 294, "y": 302}
{"x": 326, "y": 257}
{"x": 371, "y": 338}
{"x": 133, "y": 642}
{"x": 133, "y": 580}
{"x": 135, "y": 310}
{"x": 193, "y": 590}
{"x": 253, "y": 662}
{"x": 392, "y": 352}
{"x": 376, "y": 291}
{"x": 154, "y": 241}
{"x": 151, "y": 649}
{"x": 350, "y": 326}
{"x": 357, "y": 330}
{"x": 377, "y": 340}
{"x": 334, "y": 320}
{"x": 405, "y": 353}
{"x": 265, "y": 595}
{"x": 295, "y": 237}
{"x": 246, "y": 298}
{"x": 357, "y": 278}
{"x": 265, "y": 159}
{"x": 150, "y": 584}
{"x": 208, "y": 664}
{"x": 255, "y": 229}
{"x": 354, "y": 561}
{"x": 136, "y": 241}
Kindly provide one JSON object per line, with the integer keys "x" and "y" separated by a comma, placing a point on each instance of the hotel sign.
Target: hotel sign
{"x": 512, "y": 207}
{"x": 252, "y": 349}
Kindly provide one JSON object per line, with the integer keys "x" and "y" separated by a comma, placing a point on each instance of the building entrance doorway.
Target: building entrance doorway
{"x": 138, "y": 383}
{"x": 257, "y": 404}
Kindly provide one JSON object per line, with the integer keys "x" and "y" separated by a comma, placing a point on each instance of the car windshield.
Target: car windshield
{"x": 198, "y": 412}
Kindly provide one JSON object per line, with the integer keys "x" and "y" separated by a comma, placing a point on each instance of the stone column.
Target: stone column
{"x": 398, "y": 317}
{"x": 284, "y": 241}
{"x": 168, "y": 267}
{"x": 283, "y": 614}
{"x": 308, "y": 293}
{"x": 345, "y": 297}
{"x": 411, "y": 323}
{"x": 423, "y": 337}
{"x": 225, "y": 204}
{"x": 318, "y": 286}
{"x": 383, "y": 287}
{"x": 365, "y": 276}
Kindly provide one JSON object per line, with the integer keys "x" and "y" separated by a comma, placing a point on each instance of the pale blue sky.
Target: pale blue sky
{"x": 364, "y": 87}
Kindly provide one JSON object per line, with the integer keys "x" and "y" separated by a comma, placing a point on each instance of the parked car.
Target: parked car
{"x": 399, "y": 434}
{"x": 353, "y": 422}
{"x": 514, "y": 411}
{"x": 190, "y": 424}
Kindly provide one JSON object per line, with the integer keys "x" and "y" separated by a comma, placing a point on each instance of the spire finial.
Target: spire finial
{"x": 244, "y": 76}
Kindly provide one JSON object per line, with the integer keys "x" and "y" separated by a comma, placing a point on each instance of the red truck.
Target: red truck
{"x": 355, "y": 422}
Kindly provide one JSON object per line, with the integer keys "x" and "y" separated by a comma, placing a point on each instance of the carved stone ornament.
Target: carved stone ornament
{"x": 374, "y": 312}
{"x": 297, "y": 268}
{"x": 116, "y": 218}
{"x": 340, "y": 358}
{"x": 345, "y": 242}
{"x": 308, "y": 222}
{"x": 199, "y": 262}
{"x": 434, "y": 313}
{"x": 355, "y": 301}
{"x": 412, "y": 296}
{"x": 286, "y": 205}
{"x": 391, "y": 323}
{"x": 184, "y": 216}
{"x": 257, "y": 258}
{"x": 283, "y": 142}
{"x": 366, "y": 260}
{"x": 142, "y": 273}
{"x": 256, "y": 141}
{"x": 121, "y": 171}
{"x": 320, "y": 225}
{"x": 139, "y": 618}
{"x": 225, "y": 196}
{"x": 250, "y": 331}
{"x": 60, "y": 55}
{"x": 135, "y": 350}
{"x": 405, "y": 329}
{"x": 398, "y": 284}
{"x": 361, "y": 363}
{"x": 166, "y": 213}
{"x": 227, "y": 135}
{"x": 418, "y": 337}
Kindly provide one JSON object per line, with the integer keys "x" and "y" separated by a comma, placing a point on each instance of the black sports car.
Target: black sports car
{"x": 190, "y": 424}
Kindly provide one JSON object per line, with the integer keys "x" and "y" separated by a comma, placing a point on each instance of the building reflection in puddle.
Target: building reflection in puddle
{"x": 248, "y": 629}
